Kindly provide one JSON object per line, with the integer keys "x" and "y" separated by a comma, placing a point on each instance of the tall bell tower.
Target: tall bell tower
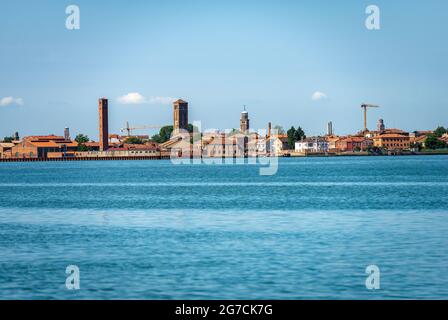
{"x": 103, "y": 110}
{"x": 180, "y": 114}
{"x": 244, "y": 121}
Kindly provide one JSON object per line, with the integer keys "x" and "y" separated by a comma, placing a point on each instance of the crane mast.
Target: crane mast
{"x": 365, "y": 106}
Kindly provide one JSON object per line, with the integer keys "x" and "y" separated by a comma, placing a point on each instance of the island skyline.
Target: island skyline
{"x": 301, "y": 64}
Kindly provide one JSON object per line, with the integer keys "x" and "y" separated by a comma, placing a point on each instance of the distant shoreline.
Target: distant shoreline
{"x": 315, "y": 155}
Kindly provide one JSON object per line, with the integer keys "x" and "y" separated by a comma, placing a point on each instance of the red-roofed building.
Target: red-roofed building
{"x": 353, "y": 143}
{"x": 42, "y": 146}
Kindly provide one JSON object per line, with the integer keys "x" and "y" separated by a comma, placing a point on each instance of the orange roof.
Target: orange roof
{"x": 40, "y": 138}
{"x": 420, "y": 139}
{"x": 354, "y": 139}
{"x": 45, "y": 144}
{"x": 334, "y": 138}
{"x": 6, "y": 145}
{"x": 92, "y": 144}
{"x": 390, "y": 135}
{"x": 278, "y": 136}
{"x": 394, "y": 130}
{"x": 69, "y": 144}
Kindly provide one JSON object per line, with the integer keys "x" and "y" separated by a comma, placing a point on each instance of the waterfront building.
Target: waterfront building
{"x": 115, "y": 139}
{"x": 180, "y": 115}
{"x": 178, "y": 145}
{"x": 221, "y": 145}
{"x": 332, "y": 142}
{"x": 5, "y": 149}
{"x": 353, "y": 143}
{"x": 444, "y": 138}
{"x": 392, "y": 141}
{"x": 277, "y": 145}
{"x": 420, "y": 133}
{"x": 312, "y": 145}
{"x": 92, "y": 146}
{"x": 151, "y": 146}
{"x": 103, "y": 111}
{"x": 419, "y": 140}
{"x": 372, "y": 134}
{"x": 44, "y": 147}
{"x": 396, "y": 131}
{"x": 150, "y": 153}
{"x": 261, "y": 147}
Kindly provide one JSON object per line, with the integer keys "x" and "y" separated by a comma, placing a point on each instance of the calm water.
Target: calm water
{"x": 153, "y": 230}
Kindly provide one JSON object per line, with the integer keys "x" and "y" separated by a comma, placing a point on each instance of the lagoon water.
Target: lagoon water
{"x": 154, "y": 230}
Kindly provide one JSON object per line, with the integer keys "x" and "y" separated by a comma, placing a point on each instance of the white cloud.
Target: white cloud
{"x": 137, "y": 98}
{"x": 318, "y": 96}
{"x": 6, "y": 101}
{"x": 132, "y": 98}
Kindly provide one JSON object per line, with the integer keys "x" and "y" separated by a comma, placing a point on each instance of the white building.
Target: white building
{"x": 277, "y": 144}
{"x": 315, "y": 144}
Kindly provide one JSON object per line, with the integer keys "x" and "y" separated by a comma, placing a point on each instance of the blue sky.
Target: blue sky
{"x": 220, "y": 55}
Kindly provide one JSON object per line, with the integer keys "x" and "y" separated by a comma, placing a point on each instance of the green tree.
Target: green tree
{"x": 291, "y": 137}
{"x": 440, "y": 131}
{"x": 82, "y": 140}
{"x": 165, "y": 133}
{"x": 134, "y": 140}
{"x": 300, "y": 133}
{"x": 416, "y": 146}
{"x": 295, "y": 135}
{"x": 156, "y": 138}
{"x": 8, "y": 139}
{"x": 433, "y": 142}
{"x": 82, "y": 147}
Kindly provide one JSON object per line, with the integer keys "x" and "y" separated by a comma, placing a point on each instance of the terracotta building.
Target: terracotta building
{"x": 44, "y": 147}
{"x": 5, "y": 149}
{"x": 353, "y": 143}
{"x": 392, "y": 141}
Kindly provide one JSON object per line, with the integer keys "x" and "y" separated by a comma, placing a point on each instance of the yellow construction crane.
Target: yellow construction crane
{"x": 365, "y": 106}
{"x": 129, "y": 130}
